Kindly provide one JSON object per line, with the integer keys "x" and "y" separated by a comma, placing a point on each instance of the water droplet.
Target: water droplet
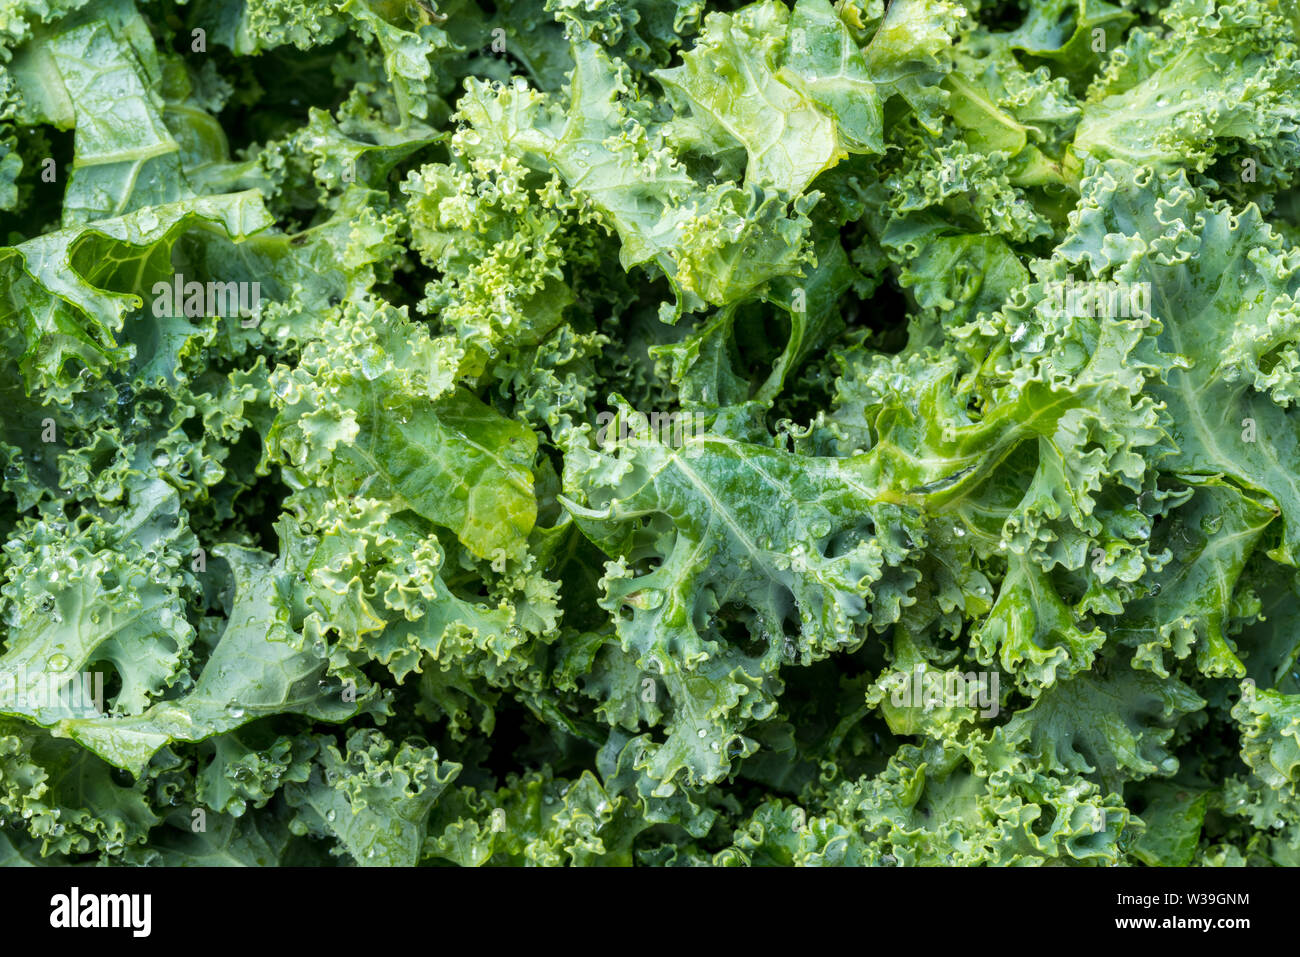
{"x": 58, "y": 662}
{"x": 372, "y": 363}
{"x": 647, "y": 598}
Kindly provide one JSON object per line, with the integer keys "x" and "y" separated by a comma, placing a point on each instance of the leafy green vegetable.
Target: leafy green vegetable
{"x": 614, "y": 432}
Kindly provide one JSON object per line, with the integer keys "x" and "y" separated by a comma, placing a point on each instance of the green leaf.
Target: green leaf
{"x": 96, "y": 75}
{"x": 256, "y": 669}
{"x": 375, "y": 800}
